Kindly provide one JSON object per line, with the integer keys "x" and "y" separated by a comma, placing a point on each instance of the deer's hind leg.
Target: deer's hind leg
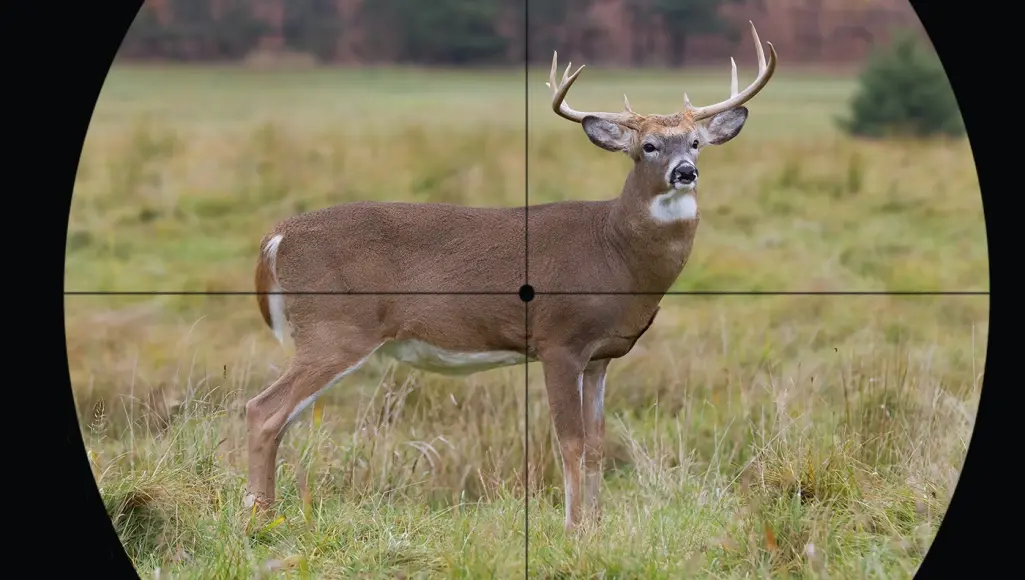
{"x": 309, "y": 374}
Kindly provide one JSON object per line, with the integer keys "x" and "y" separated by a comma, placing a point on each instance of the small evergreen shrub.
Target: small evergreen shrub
{"x": 903, "y": 92}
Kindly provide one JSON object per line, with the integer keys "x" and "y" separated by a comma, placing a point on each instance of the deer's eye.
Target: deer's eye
{"x": 694, "y": 145}
{"x": 649, "y": 148}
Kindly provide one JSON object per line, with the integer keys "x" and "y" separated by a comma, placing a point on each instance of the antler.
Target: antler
{"x": 627, "y": 117}
{"x": 562, "y": 108}
{"x": 765, "y": 71}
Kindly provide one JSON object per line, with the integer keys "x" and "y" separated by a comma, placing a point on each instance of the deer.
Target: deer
{"x": 441, "y": 287}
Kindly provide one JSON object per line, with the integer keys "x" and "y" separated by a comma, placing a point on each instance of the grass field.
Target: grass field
{"x": 811, "y": 436}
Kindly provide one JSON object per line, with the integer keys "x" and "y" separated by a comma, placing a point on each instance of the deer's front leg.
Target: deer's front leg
{"x": 594, "y": 433}
{"x": 564, "y": 383}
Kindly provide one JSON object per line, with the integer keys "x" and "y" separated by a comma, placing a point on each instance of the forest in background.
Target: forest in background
{"x": 496, "y": 32}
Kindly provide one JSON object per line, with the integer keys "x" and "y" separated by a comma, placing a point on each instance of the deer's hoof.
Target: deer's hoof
{"x": 258, "y": 500}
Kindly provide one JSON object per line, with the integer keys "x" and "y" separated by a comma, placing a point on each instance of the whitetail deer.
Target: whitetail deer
{"x": 317, "y": 272}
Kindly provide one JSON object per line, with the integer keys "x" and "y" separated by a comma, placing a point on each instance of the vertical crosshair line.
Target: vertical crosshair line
{"x": 526, "y": 442}
{"x": 526, "y": 283}
{"x": 526, "y": 142}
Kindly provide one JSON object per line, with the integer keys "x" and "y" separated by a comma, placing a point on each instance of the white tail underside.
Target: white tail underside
{"x": 276, "y": 302}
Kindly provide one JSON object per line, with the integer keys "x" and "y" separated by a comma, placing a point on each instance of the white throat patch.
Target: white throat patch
{"x": 675, "y": 205}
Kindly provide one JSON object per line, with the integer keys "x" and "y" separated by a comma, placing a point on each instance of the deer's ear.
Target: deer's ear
{"x": 726, "y": 125}
{"x": 606, "y": 134}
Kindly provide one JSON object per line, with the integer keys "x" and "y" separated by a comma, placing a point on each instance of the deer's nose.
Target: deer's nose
{"x": 685, "y": 172}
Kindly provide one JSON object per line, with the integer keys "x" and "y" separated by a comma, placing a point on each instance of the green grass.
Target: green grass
{"x": 809, "y": 436}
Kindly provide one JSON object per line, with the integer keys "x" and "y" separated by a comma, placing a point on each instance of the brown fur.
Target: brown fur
{"x": 375, "y": 251}
{"x": 375, "y": 247}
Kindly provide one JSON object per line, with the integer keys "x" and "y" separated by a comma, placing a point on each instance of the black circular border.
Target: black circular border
{"x": 50, "y": 99}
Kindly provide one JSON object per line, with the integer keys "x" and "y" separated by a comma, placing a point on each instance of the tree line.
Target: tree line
{"x": 451, "y": 32}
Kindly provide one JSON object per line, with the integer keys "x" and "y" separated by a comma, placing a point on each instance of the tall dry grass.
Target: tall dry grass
{"x": 748, "y": 436}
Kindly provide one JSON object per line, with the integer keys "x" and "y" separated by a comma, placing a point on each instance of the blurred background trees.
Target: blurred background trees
{"x": 486, "y": 32}
{"x": 903, "y": 88}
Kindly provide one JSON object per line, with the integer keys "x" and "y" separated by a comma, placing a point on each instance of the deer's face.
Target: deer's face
{"x": 665, "y": 148}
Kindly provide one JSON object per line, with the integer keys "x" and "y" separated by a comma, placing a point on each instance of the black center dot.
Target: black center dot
{"x": 526, "y": 293}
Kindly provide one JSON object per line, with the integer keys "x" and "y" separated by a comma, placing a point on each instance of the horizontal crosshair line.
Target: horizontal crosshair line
{"x": 283, "y": 293}
{"x": 775, "y": 293}
{"x": 543, "y": 293}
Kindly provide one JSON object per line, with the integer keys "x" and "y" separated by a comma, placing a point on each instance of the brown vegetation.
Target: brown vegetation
{"x": 606, "y": 31}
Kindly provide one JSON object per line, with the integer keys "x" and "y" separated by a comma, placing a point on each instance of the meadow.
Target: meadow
{"x": 748, "y": 436}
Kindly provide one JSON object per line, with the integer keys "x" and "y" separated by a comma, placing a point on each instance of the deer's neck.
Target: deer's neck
{"x": 652, "y": 233}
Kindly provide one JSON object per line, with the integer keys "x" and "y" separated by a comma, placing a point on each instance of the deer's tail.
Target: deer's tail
{"x": 272, "y": 306}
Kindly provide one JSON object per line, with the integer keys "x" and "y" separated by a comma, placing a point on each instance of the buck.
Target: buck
{"x": 434, "y": 286}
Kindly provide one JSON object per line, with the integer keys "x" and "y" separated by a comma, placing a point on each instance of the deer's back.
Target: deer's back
{"x": 378, "y": 246}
